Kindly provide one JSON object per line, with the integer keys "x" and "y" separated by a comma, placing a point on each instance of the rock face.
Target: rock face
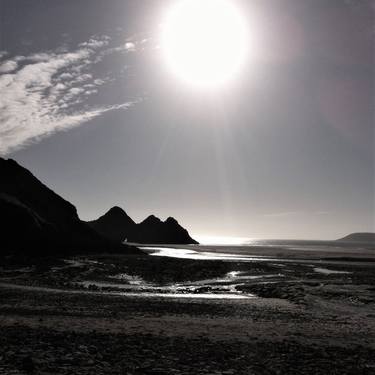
{"x": 114, "y": 224}
{"x": 153, "y": 230}
{"x": 35, "y": 220}
{"x": 359, "y": 237}
{"x": 118, "y": 226}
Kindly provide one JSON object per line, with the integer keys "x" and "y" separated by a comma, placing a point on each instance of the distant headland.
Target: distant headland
{"x": 363, "y": 237}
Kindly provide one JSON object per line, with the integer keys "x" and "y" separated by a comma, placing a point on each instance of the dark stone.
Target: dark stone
{"x": 28, "y": 365}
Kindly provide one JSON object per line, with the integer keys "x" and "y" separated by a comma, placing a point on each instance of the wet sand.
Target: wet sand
{"x": 110, "y": 314}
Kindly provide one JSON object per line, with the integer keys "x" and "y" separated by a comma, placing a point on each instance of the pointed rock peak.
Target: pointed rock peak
{"x": 116, "y": 211}
{"x": 171, "y": 220}
{"x": 151, "y": 220}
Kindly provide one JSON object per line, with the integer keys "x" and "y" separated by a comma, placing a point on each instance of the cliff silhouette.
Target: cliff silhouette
{"x": 363, "y": 237}
{"x": 36, "y": 220}
{"x": 118, "y": 226}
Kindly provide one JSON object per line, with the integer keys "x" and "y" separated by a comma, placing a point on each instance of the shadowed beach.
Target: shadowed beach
{"x": 116, "y": 314}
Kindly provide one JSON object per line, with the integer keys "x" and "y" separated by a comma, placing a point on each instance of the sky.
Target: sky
{"x": 285, "y": 149}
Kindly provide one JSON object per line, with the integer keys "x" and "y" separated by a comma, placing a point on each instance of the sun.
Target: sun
{"x": 204, "y": 41}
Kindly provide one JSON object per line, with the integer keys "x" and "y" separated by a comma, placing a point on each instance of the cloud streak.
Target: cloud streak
{"x": 295, "y": 213}
{"x": 47, "y": 92}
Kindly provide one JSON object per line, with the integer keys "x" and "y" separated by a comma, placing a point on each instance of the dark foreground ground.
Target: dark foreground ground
{"x": 302, "y": 322}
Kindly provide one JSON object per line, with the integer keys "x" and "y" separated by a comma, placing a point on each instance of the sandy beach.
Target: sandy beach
{"x": 115, "y": 314}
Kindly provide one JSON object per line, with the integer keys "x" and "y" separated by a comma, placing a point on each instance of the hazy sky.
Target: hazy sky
{"x": 283, "y": 150}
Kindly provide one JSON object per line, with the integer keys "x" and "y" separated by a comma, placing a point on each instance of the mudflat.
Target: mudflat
{"x": 117, "y": 314}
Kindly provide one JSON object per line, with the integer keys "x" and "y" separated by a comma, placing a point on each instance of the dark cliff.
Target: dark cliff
{"x": 35, "y": 220}
{"x": 118, "y": 226}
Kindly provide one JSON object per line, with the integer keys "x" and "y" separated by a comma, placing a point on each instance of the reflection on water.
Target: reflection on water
{"x": 192, "y": 295}
{"x": 278, "y": 258}
{"x": 201, "y": 289}
{"x": 137, "y": 295}
{"x": 130, "y": 279}
{"x": 223, "y": 287}
{"x": 204, "y": 255}
{"x": 326, "y": 271}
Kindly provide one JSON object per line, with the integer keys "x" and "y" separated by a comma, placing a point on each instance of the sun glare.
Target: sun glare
{"x": 204, "y": 41}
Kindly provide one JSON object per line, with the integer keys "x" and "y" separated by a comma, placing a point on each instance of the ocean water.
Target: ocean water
{"x": 270, "y": 251}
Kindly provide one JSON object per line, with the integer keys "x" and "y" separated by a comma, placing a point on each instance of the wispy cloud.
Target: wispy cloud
{"x": 47, "y": 92}
{"x": 8, "y": 66}
{"x": 282, "y": 214}
{"x": 295, "y": 213}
